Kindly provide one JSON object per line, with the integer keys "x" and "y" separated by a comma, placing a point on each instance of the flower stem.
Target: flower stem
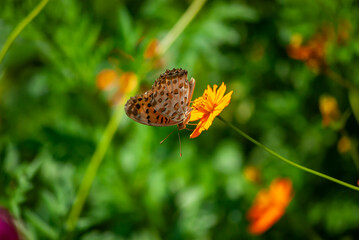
{"x": 182, "y": 23}
{"x": 20, "y": 27}
{"x": 340, "y": 80}
{"x": 286, "y": 160}
{"x": 93, "y": 166}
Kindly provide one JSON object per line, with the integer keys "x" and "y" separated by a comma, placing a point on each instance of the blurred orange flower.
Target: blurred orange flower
{"x": 344, "y": 144}
{"x": 151, "y": 50}
{"x": 269, "y": 205}
{"x": 313, "y": 53}
{"x": 252, "y": 174}
{"x": 127, "y": 82}
{"x": 328, "y": 107}
{"x": 109, "y": 79}
{"x": 209, "y": 106}
{"x": 151, "y": 53}
{"x": 106, "y": 79}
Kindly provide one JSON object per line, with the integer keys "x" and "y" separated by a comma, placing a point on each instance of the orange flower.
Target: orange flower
{"x": 328, "y": 107}
{"x": 313, "y": 53}
{"x": 106, "y": 79}
{"x": 126, "y": 83}
{"x": 209, "y": 106}
{"x": 109, "y": 79}
{"x": 269, "y": 205}
{"x": 152, "y": 54}
{"x": 152, "y": 49}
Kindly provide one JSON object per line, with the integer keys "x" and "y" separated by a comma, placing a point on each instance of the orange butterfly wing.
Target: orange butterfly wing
{"x": 166, "y": 104}
{"x": 172, "y": 94}
{"x": 139, "y": 109}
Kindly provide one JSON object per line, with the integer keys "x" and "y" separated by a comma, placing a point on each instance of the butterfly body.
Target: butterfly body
{"x": 167, "y": 103}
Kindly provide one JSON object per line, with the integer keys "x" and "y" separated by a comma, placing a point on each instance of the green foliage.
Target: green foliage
{"x": 335, "y": 215}
{"x": 52, "y": 117}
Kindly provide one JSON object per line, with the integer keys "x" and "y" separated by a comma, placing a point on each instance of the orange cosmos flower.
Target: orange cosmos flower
{"x": 209, "y": 106}
{"x": 106, "y": 79}
{"x": 123, "y": 83}
{"x": 269, "y": 205}
{"x": 152, "y": 55}
{"x": 312, "y": 53}
{"x": 152, "y": 49}
{"x": 126, "y": 83}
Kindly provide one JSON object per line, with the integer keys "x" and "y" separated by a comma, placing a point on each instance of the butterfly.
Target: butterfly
{"x": 167, "y": 103}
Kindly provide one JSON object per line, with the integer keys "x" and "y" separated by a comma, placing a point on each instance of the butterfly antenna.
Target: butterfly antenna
{"x": 179, "y": 138}
{"x": 166, "y": 137}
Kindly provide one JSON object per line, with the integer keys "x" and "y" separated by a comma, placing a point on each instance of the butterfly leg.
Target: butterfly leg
{"x": 166, "y": 137}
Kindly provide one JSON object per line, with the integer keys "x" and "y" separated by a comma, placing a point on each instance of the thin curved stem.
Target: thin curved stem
{"x": 20, "y": 27}
{"x": 288, "y": 161}
{"x": 93, "y": 166}
{"x": 340, "y": 80}
{"x": 181, "y": 24}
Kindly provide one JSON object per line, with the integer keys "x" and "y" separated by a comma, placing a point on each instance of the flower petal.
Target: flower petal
{"x": 197, "y": 131}
{"x": 224, "y": 101}
{"x": 196, "y": 115}
{"x": 214, "y": 89}
{"x": 220, "y": 92}
{"x": 269, "y": 206}
{"x": 223, "y": 104}
{"x": 106, "y": 79}
{"x": 208, "y": 121}
{"x": 266, "y": 221}
{"x": 211, "y": 95}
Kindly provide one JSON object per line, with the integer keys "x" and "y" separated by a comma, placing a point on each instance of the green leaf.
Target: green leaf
{"x": 34, "y": 166}
{"x": 41, "y": 225}
{"x": 337, "y": 215}
{"x": 235, "y": 11}
{"x": 12, "y": 159}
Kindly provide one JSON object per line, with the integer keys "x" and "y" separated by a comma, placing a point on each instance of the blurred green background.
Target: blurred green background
{"x": 52, "y": 117}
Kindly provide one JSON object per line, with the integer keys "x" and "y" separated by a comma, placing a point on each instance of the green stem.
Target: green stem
{"x": 340, "y": 80}
{"x": 20, "y": 27}
{"x": 181, "y": 24}
{"x": 93, "y": 166}
{"x": 288, "y": 161}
